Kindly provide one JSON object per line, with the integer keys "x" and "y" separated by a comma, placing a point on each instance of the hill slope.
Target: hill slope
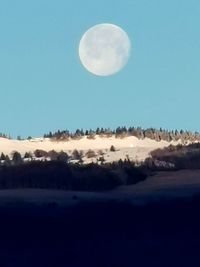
{"x": 128, "y": 147}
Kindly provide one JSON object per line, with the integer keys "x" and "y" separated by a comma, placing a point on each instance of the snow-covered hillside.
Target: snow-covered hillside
{"x": 128, "y": 147}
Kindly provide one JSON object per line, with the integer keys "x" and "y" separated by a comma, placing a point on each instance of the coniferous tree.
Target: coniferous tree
{"x": 2, "y": 157}
{"x": 27, "y": 155}
{"x": 17, "y": 159}
{"x": 63, "y": 156}
{"x": 112, "y": 149}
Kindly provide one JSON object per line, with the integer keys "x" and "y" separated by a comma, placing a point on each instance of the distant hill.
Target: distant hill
{"x": 98, "y": 146}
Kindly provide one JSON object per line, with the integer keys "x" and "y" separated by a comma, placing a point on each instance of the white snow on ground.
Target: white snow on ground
{"x": 127, "y": 147}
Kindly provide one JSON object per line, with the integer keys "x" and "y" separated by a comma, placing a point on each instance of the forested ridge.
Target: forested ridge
{"x": 121, "y": 132}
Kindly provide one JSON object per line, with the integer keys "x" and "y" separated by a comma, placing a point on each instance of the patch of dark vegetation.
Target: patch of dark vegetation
{"x": 60, "y": 175}
{"x": 175, "y": 157}
{"x": 112, "y": 149}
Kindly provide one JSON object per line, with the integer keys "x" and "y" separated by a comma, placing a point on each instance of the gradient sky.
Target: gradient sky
{"x": 43, "y": 85}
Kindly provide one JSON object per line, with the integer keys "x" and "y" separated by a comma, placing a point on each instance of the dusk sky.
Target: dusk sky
{"x": 44, "y": 86}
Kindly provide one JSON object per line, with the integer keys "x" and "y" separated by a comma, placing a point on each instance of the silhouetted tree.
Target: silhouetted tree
{"x": 17, "y": 159}
{"x": 77, "y": 155}
{"x": 2, "y": 157}
{"x": 27, "y": 155}
{"x": 62, "y": 156}
{"x": 112, "y": 149}
{"x": 40, "y": 153}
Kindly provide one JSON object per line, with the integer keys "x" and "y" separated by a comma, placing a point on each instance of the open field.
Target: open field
{"x": 165, "y": 185}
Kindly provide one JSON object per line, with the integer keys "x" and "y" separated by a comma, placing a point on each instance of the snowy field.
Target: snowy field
{"x": 128, "y": 147}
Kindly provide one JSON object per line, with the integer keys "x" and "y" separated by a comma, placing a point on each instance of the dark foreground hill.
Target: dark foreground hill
{"x": 152, "y": 223}
{"x": 107, "y": 233}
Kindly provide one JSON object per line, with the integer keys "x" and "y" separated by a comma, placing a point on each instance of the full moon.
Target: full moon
{"x": 104, "y": 49}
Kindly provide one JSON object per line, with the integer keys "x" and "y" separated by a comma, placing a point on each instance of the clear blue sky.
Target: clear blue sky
{"x": 44, "y": 87}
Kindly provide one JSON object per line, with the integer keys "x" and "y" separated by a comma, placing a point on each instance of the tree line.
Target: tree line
{"x": 121, "y": 132}
{"x": 52, "y": 155}
{"x": 175, "y": 157}
{"x": 16, "y": 158}
{"x": 65, "y": 176}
